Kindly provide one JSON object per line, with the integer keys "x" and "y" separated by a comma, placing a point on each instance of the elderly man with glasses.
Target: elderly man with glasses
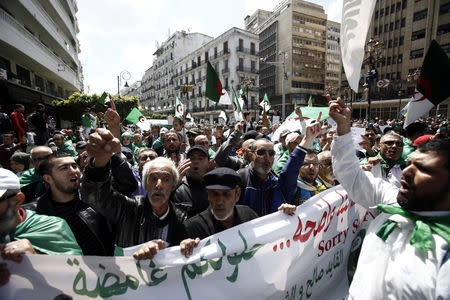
{"x": 262, "y": 191}
{"x": 388, "y": 164}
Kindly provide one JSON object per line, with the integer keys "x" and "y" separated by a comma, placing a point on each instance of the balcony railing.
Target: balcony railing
{"x": 248, "y": 51}
{"x": 247, "y": 70}
{"x": 45, "y": 56}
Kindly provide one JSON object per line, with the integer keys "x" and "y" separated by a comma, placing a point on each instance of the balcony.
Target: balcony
{"x": 225, "y": 70}
{"x": 30, "y": 47}
{"x": 70, "y": 23}
{"x": 247, "y": 70}
{"x": 247, "y": 51}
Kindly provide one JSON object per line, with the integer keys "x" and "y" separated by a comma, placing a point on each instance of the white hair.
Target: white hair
{"x": 390, "y": 133}
{"x": 160, "y": 162}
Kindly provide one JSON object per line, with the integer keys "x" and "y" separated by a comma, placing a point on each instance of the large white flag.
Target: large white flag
{"x": 225, "y": 98}
{"x": 356, "y": 17}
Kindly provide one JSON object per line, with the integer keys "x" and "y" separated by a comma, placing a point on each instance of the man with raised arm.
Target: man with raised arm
{"x": 406, "y": 249}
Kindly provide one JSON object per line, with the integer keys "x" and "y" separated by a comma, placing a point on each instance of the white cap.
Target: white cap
{"x": 8, "y": 181}
{"x": 291, "y": 137}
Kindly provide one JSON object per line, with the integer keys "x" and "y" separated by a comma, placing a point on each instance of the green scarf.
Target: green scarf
{"x": 50, "y": 235}
{"x": 421, "y": 237}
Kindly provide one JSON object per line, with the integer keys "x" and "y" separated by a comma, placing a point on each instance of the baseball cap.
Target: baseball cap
{"x": 422, "y": 139}
{"x": 221, "y": 179}
{"x": 284, "y": 133}
{"x": 8, "y": 181}
{"x": 199, "y": 148}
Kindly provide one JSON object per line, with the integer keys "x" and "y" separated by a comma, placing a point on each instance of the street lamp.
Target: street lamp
{"x": 124, "y": 75}
{"x": 374, "y": 50}
{"x": 285, "y": 76}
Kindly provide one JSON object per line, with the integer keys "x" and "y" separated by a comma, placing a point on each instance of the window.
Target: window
{"x": 252, "y": 49}
{"x": 206, "y": 56}
{"x": 375, "y": 31}
{"x": 420, "y": 15}
{"x": 390, "y": 44}
{"x": 416, "y": 54}
{"x": 376, "y": 15}
{"x": 403, "y": 22}
{"x": 392, "y": 8}
{"x": 253, "y": 66}
{"x": 395, "y": 42}
{"x": 397, "y": 24}
{"x": 215, "y": 52}
{"x": 386, "y": 27}
{"x": 394, "y": 59}
{"x": 400, "y": 58}
{"x": 405, "y": 4}
{"x": 417, "y": 35}
{"x": 399, "y": 75}
{"x": 241, "y": 44}
{"x": 398, "y": 6}
{"x": 401, "y": 41}
{"x": 391, "y": 26}
{"x": 225, "y": 47}
{"x": 446, "y": 48}
{"x": 444, "y": 9}
{"x": 389, "y": 60}
{"x": 199, "y": 60}
{"x": 382, "y": 12}
{"x": 380, "y": 29}
{"x": 387, "y": 11}
{"x": 443, "y": 29}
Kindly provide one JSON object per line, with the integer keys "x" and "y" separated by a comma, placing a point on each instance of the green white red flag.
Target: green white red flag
{"x": 433, "y": 84}
{"x": 265, "y": 104}
{"x": 179, "y": 107}
{"x": 213, "y": 84}
{"x": 136, "y": 117}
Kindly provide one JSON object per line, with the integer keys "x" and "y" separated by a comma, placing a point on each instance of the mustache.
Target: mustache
{"x": 158, "y": 192}
{"x": 219, "y": 206}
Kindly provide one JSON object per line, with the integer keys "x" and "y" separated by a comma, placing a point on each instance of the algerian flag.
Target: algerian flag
{"x": 104, "y": 98}
{"x": 265, "y": 104}
{"x": 213, "y": 84}
{"x": 137, "y": 118}
{"x": 225, "y": 98}
{"x": 241, "y": 92}
{"x": 356, "y": 16}
{"x": 237, "y": 108}
{"x": 223, "y": 116}
{"x": 310, "y": 101}
{"x": 178, "y": 107}
{"x": 293, "y": 120}
{"x": 433, "y": 84}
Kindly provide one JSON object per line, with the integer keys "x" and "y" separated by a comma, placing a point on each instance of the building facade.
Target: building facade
{"x": 133, "y": 90}
{"x": 39, "y": 51}
{"x": 406, "y": 28}
{"x": 295, "y": 35}
{"x": 157, "y": 84}
{"x": 333, "y": 61}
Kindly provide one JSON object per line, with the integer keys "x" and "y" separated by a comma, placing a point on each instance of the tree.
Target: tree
{"x": 72, "y": 108}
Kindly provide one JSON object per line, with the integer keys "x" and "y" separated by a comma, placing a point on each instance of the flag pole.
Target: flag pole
{"x": 204, "y": 114}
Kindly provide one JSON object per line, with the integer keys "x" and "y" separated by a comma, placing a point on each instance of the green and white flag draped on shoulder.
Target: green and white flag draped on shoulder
{"x": 136, "y": 117}
{"x": 179, "y": 108}
{"x": 265, "y": 104}
{"x": 433, "y": 84}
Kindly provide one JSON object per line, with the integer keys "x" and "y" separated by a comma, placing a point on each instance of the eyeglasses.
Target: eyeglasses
{"x": 391, "y": 143}
{"x": 262, "y": 152}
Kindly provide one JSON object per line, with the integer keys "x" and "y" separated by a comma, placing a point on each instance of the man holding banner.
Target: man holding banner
{"x": 406, "y": 249}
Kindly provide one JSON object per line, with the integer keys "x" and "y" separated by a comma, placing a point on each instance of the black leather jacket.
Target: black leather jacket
{"x": 132, "y": 216}
{"x": 94, "y": 221}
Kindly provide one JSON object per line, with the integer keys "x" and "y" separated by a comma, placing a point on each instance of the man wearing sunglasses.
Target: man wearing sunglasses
{"x": 389, "y": 159}
{"x": 262, "y": 191}
{"x": 326, "y": 176}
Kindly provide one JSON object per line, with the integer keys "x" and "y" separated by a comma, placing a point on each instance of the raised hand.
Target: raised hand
{"x": 101, "y": 146}
{"x": 112, "y": 119}
{"x": 312, "y": 131}
{"x": 298, "y": 111}
{"x": 183, "y": 168}
{"x": 288, "y": 209}
{"x": 341, "y": 114}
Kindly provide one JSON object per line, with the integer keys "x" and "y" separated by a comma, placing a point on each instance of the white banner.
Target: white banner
{"x": 356, "y": 17}
{"x": 307, "y": 256}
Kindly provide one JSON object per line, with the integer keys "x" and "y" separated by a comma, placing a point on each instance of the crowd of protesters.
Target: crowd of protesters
{"x": 109, "y": 186}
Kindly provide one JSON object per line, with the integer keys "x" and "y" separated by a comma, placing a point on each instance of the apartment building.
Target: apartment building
{"x": 295, "y": 34}
{"x": 157, "y": 84}
{"x": 406, "y": 28}
{"x": 39, "y": 51}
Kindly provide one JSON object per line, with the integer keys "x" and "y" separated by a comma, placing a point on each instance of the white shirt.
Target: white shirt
{"x": 393, "y": 269}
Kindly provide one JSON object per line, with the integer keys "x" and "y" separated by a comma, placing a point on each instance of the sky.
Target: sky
{"x": 121, "y": 35}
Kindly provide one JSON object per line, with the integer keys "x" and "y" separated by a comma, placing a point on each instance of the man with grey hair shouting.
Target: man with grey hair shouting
{"x": 141, "y": 218}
